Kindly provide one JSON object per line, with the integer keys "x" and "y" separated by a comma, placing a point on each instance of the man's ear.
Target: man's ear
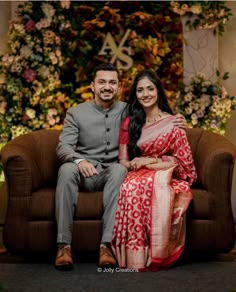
{"x": 92, "y": 86}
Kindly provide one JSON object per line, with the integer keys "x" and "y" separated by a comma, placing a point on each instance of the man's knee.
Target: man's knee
{"x": 118, "y": 172}
{"x": 122, "y": 170}
{"x": 68, "y": 171}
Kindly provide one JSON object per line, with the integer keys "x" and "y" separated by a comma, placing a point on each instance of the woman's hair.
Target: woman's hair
{"x": 137, "y": 114}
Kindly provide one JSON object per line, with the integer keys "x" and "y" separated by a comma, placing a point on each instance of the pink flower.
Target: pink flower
{"x": 29, "y": 75}
{"x": 30, "y": 26}
{"x": 51, "y": 116}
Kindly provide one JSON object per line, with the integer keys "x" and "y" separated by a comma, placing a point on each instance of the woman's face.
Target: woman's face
{"x": 146, "y": 92}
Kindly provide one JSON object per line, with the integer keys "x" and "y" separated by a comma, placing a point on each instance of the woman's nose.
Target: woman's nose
{"x": 145, "y": 92}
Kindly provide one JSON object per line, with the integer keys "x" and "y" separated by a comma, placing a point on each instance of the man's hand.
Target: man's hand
{"x": 87, "y": 169}
{"x": 180, "y": 121}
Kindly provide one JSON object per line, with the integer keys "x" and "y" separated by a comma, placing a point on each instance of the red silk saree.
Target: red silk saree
{"x": 149, "y": 231}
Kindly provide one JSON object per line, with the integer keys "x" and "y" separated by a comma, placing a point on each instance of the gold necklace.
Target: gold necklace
{"x": 153, "y": 120}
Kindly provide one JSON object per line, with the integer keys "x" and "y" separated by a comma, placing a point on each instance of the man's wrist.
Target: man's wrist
{"x": 77, "y": 161}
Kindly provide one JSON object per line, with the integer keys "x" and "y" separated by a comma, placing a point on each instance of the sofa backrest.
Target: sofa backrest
{"x": 40, "y": 148}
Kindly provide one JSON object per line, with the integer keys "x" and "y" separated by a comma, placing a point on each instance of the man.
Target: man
{"x": 88, "y": 149}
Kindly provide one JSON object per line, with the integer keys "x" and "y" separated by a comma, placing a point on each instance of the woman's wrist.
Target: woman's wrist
{"x": 156, "y": 160}
{"x": 129, "y": 166}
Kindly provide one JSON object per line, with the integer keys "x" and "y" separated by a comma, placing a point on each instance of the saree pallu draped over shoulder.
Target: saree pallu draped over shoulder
{"x": 149, "y": 231}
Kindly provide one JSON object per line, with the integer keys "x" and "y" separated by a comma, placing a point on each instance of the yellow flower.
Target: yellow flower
{"x": 30, "y": 113}
{"x": 56, "y": 127}
{"x": 3, "y": 105}
{"x": 87, "y": 96}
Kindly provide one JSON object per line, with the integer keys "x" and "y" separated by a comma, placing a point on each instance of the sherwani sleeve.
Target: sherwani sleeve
{"x": 69, "y": 138}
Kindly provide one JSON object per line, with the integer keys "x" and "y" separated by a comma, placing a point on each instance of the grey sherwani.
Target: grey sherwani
{"x": 90, "y": 133}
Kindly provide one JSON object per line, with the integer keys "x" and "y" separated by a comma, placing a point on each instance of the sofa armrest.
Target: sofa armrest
{"x": 30, "y": 161}
{"x": 214, "y": 158}
{"x": 20, "y": 169}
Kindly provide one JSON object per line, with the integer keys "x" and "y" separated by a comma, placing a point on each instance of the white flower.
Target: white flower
{"x": 65, "y": 4}
{"x": 188, "y": 97}
{"x": 19, "y": 28}
{"x": 205, "y": 100}
{"x": 196, "y": 9}
{"x": 43, "y": 71}
{"x": 188, "y": 110}
{"x": 25, "y": 51}
{"x": 48, "y": 10}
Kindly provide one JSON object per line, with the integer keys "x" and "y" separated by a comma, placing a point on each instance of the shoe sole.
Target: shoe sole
{"x": 67, "y": 267}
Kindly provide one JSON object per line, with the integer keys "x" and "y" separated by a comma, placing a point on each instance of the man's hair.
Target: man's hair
{"x": 105, "y": 67}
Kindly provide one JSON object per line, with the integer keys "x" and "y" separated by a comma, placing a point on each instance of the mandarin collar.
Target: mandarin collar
{"x": 98, "y": 107}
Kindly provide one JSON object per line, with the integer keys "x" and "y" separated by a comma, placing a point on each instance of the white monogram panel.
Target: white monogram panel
{"x": 200, "y": 52}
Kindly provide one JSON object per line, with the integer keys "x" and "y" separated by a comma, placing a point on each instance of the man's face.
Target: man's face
{"x": 105, "y": 87}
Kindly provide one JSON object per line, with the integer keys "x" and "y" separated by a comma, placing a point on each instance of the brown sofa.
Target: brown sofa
{"x": 30, "y": 166}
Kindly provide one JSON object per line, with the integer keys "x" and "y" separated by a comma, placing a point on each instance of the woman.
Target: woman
{"x": 149, "y": 232}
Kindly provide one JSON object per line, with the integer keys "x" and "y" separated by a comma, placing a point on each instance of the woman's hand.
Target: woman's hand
{"x": 180, "y": 121}
{"x": 139, "y": 162}
{"x": 161, "y": 165}
{"x": 150, "y": 163}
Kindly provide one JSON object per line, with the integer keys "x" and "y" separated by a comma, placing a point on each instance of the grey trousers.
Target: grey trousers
{"x": 69, "y": 181}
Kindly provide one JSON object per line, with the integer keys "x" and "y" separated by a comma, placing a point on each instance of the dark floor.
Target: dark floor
{"x": 207, "y": 276}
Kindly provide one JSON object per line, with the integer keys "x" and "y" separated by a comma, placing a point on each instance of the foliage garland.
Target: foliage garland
{"x": 203, "y": 14}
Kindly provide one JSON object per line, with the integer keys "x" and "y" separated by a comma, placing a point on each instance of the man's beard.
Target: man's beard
{"x": 111, "y": 93}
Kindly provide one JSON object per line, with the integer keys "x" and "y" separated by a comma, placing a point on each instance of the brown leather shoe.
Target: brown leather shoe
{"x": 64, "y": 260}
{"x": 106, "y": 257}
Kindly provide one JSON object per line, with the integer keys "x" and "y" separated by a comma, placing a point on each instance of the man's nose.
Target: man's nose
{"x": 107, "y": 86}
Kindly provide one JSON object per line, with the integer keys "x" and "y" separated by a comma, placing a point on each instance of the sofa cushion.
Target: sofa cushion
{"x": 90, "y": 205}
{"x": 42, "y": 205}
